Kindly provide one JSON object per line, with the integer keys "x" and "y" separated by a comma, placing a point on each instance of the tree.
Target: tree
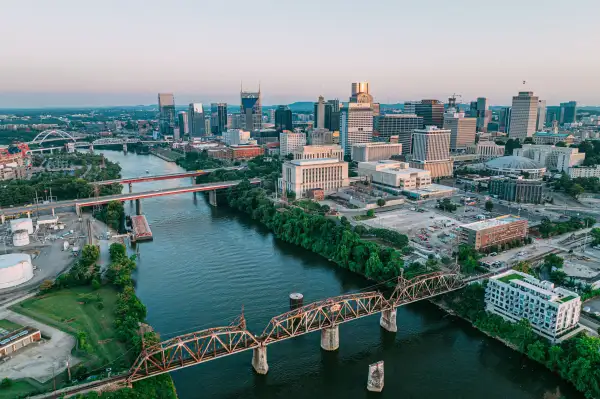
{"x": 380, "y": 202}
{"x": 371, "y": 213}
{"x": 6, "y": 383}
{"x": 46, "y": 285}
{"x": 561, "y": 144}
{"x": 575, "y": 190}
{"x": 511, "y": 145}
{"x": 489, "y": 205}
{"x": 523, "y": 266}
{"x": 537, "y": 351}
{"x": 291, "y": 195}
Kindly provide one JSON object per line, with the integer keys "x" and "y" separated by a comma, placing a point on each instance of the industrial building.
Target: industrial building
{"x": 495, "y": 231}
{"x": 15, "y": 269}
{"x": 367, "y": 152}
{"x": 519, "y": 189}
{"x": 551, "y": 311}
{"x": 15, "y": 340}
{"x": 303, "y": 175}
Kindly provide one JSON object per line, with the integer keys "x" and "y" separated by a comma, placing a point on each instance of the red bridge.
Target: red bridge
{"x": 168, "y": 176}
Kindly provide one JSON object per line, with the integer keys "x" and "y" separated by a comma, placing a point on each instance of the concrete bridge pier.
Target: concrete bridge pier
{"x": 53, "y": 212}
{"x": 91, "y": 148}
{"x": 125, "y": 147}
{"x": 78, "y": 210}
{"x": 330, "y": 338}
{"x": 29, "y": 214}
{"x": 388, "y": 320}
{"x": 138, "y": 206}
{"x": 259, "y": 360}
{"x": 3, "y": 218}
{"x": 130, "y": 188}
{"x": 212, "y": 197}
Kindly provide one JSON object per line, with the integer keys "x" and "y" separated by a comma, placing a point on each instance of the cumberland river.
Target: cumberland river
{"x": 205, "y": 263}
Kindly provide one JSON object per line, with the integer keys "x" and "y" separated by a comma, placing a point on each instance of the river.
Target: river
{"x": 206, "y": 263}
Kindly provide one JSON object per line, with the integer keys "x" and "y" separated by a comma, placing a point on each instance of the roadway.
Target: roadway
{"x": 147, "y": 178}
{"x": 79, "y": 203}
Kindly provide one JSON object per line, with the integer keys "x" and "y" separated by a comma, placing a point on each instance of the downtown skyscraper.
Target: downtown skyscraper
{"x": 523, "y": 116}
{"x": 196, "y": 124}
{"x": 432, "y": 112}
{"x": 251, "y": 110}
{"x": 166, "y": 110}
{"x": 283, "y": 118}
{"x": 218, "y": 118}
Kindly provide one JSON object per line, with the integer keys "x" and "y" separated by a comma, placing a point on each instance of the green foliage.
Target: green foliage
{"x": 380, "y": 202}
{"x": 595, "y": 233}
{"x": 6, "y": 383}
{"x": 524, "y": 267}
{"x": 371, "y": 213}
{"x": 83, "y": 271}
{"x": 489, "y": 205}
{"x": 511, "y": 145}
{"x": 113, "y": 214}
{"x": 591, "y": 148}
{"x": 468, "y": 258}
{"x": 392, "y": 236}
{"x": 447, "y": 205}
{"x": 584, "y": 184}
{"x": 338, "y": 242}
{"x": 548, "y": 228}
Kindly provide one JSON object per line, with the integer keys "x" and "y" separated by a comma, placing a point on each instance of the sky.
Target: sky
{"x": 123, "y": 52}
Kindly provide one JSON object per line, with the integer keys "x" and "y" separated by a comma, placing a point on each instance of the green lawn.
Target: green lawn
{"x": 363, "y": 217}
{"x": 512, "y": 276}
{"x": 63, "y": 310}
{"x": 9, "y": 325}
{"x": 18, "y": 389}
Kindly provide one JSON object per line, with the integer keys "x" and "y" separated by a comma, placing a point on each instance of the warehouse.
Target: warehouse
{"x": 13, "y": 341}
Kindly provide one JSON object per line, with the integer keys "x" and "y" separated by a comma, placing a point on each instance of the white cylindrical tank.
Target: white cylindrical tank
{"x": 20, "y": 238}
{"x": 21, "y": 224}
{"x": 15, "y": 269}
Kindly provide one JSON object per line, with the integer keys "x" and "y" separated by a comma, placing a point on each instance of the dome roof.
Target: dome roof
{"x": 513, "y": 162}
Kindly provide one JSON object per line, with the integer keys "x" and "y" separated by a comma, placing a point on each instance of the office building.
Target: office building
{"x": 504, "y": 119}
{"x": 553, "y": 138}
{"x": 541, "y": 115}
{"x": 462, "y": 130}
{"x": 552, "y": 114}
{"x": 283, "y": 118}
{"x": 517, "y": 189}
{"x": 432, "y": 112}
{"x": 320, "y": 137}
{"x": 367, "y": 152}
{"x": 551, "y": 311}
{"x": 584, "y": 171}
{"x": 479, "y": 110}
{"x": 196, "y": 120}
{"x": 334, "y": 120}
{"x": 360, "y": 93}
{"x": 323, "y": 114}
{"x": 218, "y": 118}
{"x": 235, "y": 136}
{"x": 568, "y": 112}
{"x": 184, "y": 127}
{"x": 244, "y": 151}
{"x": 166, "y": 109}
{"x": 486, "y": 150}
{"x": 291, "y": 141}
{"x": 207, "y": 126}
{"x": 356, "y": 125}
{"x": 251, "y": 110}
{"x": 410, "y": 107}
{"x": 319, "y": 152}
{"x": 401, "y": 125}
{"x": 431, "y": 151}
{"x": 303, "y": 175}
{"x": 523, "y": 115}
{"x": 272, "y": 116}
{"x": 497, "y": 231}
{"x": 554, "y": 158}
{"x": 234, "y": 121}
{"x": 394, "y": 174}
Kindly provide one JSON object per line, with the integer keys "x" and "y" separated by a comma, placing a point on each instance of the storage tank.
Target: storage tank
{"x": 21, "y": 224}
{"x": 15, "y": 269}
{"x": 20, "y": 238}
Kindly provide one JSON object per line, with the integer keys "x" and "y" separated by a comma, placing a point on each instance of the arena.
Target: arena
{"x": 513, "y": 165}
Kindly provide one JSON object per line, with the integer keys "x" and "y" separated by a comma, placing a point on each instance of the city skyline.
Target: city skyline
{"x": 69, "y": 57}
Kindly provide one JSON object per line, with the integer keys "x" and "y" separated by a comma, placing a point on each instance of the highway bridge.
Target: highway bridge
{"x": 86, "y": 202}
{"x": 168, "y": 176}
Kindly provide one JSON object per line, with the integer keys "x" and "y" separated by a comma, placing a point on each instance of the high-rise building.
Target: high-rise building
{"x": 166, "y": 108}
{"x": 552, "y": 114}
{"x": 541, "y": 115}
{"x": 272, "y": 115}
{"x": 323, "y": 112}
{"x": 462, "y": 130}
{"x": 235, "y": 137}
{"x": 367, "y": 152}
{"x": 235, "y": 121}
{"x": 523, "y": 115}
{"x": 290, "y": 142}
{"x": 218, "y": 118}
{"x": 283, "y": 118}
{"x": 401, "y": 125}
{"x": 197, "y": 126}
{"x": 183, "y": 123}
{"x": 410, "y": 107}
{"x": 207, "y": 127}
{"x": 432, "y": 112}
{"x": 360, "y": 94}
{"x": 356, "y": 125}
{"x": 504, "y": 119}
{"x": 251, "y": 110}
{"x": 431, "y": 151}
{"x": 479, "y": 110}
{"x": 320, "y": 137}
{"x": 568, "y": 112}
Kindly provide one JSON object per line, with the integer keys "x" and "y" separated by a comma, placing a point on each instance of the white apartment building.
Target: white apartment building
{"x": 235, "y": 137}
{"x": 523, "y": 116}
{"x": 356, "y": 125}
{"x": 486, "y": 150}
{"x": 431, "y": 151}
{"x": 395, "y": 174}
{"x": 552, "y": 311}
{"x": 462, "y": 130}
{"x": 366, "y": 152}
{"x": 555, "y": 158}
{"x": 584, "y": 171}
{"x": 319, "y": 152}
{"x": 290, "y": 142}
{"x": 302, "y": 175}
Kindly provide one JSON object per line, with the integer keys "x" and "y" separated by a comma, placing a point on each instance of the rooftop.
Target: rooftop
{"x": 550, "y": 134}
{"x": 10, "y": 260}
{"x": 321, "y": 161}
{"x": 499, "y": 221}
{"x": 513, "y": 162}
{"x": 544, "y": 288}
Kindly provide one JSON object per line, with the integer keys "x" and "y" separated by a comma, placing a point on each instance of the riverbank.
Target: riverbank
{"x": 166, "y": 154}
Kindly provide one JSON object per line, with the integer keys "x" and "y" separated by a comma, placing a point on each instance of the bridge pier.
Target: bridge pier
{"x": 130, "y": 188}
{"x": 388, "y": 320}
{"x": 259, "y": 360}
{"x": 212, "y": 197}
{"x": 53, "y": 212}
{"x": 91, "y": 148}
{"x": 78, "y": 210}
{"x": 29, "y": 214}
{"x": 138, "y": 206}
{"x": 330, "y": 338}
{"x": 125, "y": 147}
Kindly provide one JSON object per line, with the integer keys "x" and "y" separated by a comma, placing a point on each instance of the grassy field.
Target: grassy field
{"x": 64, "y": 310}
{"x": 9, "y": 325}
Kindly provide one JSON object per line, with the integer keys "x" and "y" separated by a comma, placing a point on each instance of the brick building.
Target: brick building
{"x": 495, "y": 231}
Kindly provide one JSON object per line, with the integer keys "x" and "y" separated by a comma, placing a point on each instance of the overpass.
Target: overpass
{"x": 168, "y": 176}
{"x": 86, "y": 202}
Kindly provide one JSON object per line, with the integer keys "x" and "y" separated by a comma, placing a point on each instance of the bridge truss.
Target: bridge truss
{"x": 60, "y": 134}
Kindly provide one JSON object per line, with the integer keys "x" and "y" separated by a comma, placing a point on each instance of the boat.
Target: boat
{"x": 147, "y": 171}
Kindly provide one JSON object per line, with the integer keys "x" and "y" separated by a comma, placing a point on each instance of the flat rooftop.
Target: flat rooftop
{"x": 430, "y": 189}
{"x": 499, "y": 221}
{"x": 320, "y": 161}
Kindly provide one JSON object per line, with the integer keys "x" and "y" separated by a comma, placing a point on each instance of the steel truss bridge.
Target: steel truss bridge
{"x": 325, "y": 316}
